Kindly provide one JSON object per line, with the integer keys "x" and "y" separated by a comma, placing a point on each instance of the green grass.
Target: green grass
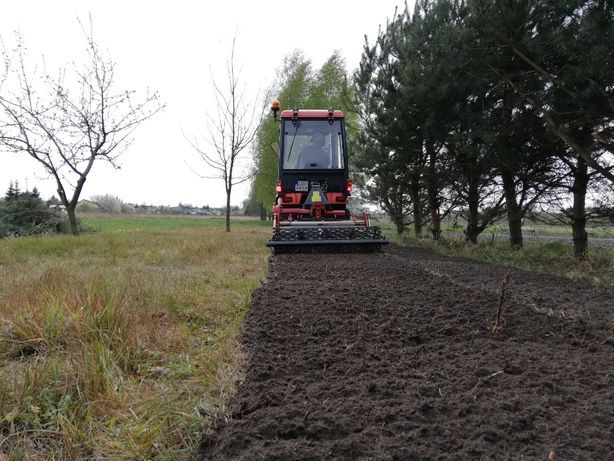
{"x": 592, "y": 231}
{"x": 108, "y": 223}
{"x": 529, "y": 229}
{"x": 122, "y": 345}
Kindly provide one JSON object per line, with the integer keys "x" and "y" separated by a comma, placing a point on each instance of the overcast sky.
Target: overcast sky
{"x": 171, "y": 47}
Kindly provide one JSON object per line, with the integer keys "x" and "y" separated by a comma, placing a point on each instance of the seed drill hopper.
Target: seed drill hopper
{"x": 313, "y": 186}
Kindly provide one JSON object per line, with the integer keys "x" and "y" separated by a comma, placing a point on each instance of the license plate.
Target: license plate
{"x": 301, "y": 186}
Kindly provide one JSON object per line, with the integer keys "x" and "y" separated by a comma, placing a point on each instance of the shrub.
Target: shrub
{"x": 25, "y": 213}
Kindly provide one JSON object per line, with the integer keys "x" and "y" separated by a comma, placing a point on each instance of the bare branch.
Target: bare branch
{"x": 551, "y": 124}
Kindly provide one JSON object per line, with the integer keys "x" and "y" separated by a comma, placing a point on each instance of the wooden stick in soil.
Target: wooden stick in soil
{"x": 362, "y": 333}
{"x": 502, "y": 289}
{"x": 473, "y": 338}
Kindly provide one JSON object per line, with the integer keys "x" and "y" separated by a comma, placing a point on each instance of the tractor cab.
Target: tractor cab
{"x": 313, "y": 151}
{"x": 313, "y": 144}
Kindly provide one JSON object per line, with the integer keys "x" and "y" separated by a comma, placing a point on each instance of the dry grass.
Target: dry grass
{"x": 121, "y": 345}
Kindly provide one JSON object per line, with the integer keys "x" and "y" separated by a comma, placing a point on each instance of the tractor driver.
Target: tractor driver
{"x": 315, "y": 155}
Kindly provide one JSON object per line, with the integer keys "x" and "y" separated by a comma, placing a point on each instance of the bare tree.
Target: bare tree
{"x": 69, "y": 121}
{"x": 108, "y": 203}
{"x": 231, "y": 129}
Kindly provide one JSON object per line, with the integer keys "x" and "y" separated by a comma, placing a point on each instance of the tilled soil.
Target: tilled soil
{"x": 393, "y": 356}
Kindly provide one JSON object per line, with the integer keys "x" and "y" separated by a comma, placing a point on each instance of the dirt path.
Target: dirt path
{"x": 390, "y": 356}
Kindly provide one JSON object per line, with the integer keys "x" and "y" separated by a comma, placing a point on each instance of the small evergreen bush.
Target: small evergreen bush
{"x": 25, "y": 213}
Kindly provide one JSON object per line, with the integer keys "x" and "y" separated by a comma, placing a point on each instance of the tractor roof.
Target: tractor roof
{"x": 312, "y": 113}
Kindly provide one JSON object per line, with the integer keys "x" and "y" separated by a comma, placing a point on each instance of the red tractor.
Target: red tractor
{"x": 313, "y": 185}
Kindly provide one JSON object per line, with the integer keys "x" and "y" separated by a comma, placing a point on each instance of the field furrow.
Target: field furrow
{"x": 394, "y": 356}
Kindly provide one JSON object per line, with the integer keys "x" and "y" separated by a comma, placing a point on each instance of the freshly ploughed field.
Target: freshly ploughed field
{"x": 393, "y": 356}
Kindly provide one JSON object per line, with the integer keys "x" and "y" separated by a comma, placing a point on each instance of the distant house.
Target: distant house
{"x": 57, "y": 207}
{"x": 86, "y": 206}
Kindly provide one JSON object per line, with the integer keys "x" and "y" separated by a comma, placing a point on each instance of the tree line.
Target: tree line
{"x": 486, "y": 109}
{"x": 489, "y": 108}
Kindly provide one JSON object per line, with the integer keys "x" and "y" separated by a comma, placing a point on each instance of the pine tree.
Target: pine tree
{"x": 13, "y": 191}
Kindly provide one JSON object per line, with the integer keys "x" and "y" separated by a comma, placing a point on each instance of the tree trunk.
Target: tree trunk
{"x": 417, "y": 210}
{"x": 73, "y": 225}
{"x": 399, "y": 223}
{"x": 227, "y": 210}
{"x": 394, "y": 208}
{"x": 432, "y": 192}
{"x": 435, "y": 218}
{"x": 514, "y": 213}
{"x": 70, "y": 205}
{"x": 417, "y": 220}
{"x": 578, "y": 211}
{"x": 263, "y": 213}
{"x": 473, "y": 200}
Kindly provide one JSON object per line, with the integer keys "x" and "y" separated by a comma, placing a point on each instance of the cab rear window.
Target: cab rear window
{"x": 312, "y": 144}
